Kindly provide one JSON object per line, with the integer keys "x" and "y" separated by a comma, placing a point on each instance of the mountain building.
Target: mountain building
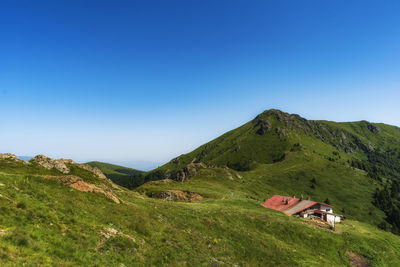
{"x": 303, "y": 208}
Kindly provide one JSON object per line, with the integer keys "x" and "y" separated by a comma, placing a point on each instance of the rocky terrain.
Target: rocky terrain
{"x": 62, "y": 165}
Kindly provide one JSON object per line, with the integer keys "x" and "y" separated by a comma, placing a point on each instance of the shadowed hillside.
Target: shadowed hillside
{"x": 123, "y": 176}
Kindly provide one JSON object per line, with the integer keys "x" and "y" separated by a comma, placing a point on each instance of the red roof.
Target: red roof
{"x": 280, "y": 203}
{"x": 289, "y": 205}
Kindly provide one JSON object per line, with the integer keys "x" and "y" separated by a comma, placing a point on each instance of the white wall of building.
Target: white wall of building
{"x": 330, "y": 218}
{"x": 326, "y": 208}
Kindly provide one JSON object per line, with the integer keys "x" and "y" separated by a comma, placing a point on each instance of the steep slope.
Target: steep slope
{"x": 47, "y": 223}
{"x": 273, "y": 134}
{"x": 280, "y": 153}
{"x": 123, "y": 176}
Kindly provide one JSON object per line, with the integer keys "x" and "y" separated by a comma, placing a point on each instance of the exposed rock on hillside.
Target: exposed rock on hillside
{"x": 339, "y": 138}
{"x": 189, "y": 171}
{"x": 61, "y": 165}
{"x": 373, "y": 128}
{"x": 12, "y": 157}
{"x": 264, "y": 126}
{"x": 49, "y": 163}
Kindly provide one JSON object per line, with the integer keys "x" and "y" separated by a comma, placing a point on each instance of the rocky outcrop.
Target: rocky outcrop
{"x": 62, "y": 165}
{"x": 189, "y": 171}
{"x": 263, "y": 126}
{"x": 282, "y": 132}
{"x": 372, "y": 128}
{"x": 49, "y": 163}
{"x": 339, "y": 138}
{"x": 12, "y": 157}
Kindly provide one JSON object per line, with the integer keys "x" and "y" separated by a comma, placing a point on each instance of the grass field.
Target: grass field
{"x": 46, "y": 223}
{"x": 215, "y": 217}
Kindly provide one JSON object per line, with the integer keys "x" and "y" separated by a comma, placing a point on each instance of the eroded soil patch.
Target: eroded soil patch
{"x": 78, "y": 184}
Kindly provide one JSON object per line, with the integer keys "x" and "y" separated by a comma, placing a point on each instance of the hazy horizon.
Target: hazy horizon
{"x": 139, "y": 165}
{"x": 128, "y": 82}
{"x": 147, "y": 165}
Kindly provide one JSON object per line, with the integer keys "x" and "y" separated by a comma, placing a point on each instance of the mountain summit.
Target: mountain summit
{"x": 348, "y": 163}
{"x": 273, "y": 134}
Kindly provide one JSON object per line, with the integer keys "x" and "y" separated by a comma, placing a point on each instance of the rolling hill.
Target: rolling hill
{"x": 204, "y": 207}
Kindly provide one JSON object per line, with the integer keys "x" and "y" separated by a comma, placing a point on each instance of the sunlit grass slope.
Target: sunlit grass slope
{"x": 46, "y": 223}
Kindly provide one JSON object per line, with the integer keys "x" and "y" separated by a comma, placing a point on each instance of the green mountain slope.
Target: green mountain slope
{"x": 280, "y": 153}
{"x": 204, "y": 208}
{"x": 123, "y": 176}
{"x": 47, "y": 223}
{"x": 273, "y": 134}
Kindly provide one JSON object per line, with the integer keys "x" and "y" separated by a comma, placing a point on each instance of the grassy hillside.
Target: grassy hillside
{"x": 204, "y": 208}
{"x": 46, "y": 223}
{"x": 273, "y": 133}
{"x": 280, "y": 153}
{"x": 123, "y": 176}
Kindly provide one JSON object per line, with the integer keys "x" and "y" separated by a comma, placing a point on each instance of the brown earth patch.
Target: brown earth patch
{"x": 357, "y": 260}
{"x": 78, "y": 184}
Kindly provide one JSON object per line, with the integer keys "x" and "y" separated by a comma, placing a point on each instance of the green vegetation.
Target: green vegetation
{"x": 123, "y": 176}
{"x": 45, "y": 223}
{"x": 215, "y": 217}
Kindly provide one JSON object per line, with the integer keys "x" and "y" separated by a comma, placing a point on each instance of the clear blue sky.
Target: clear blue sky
{"x": 124, "y": 81}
